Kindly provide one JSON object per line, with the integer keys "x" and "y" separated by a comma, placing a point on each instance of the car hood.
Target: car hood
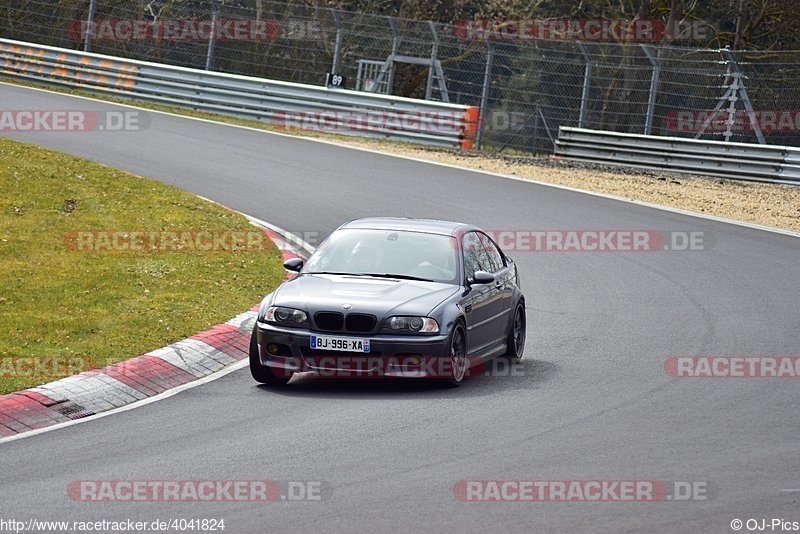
{"x": 378, "y": 296}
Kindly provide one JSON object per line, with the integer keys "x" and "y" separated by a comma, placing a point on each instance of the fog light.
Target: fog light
{"x": 272, "y": 348}
{"x": 415, "y": 360}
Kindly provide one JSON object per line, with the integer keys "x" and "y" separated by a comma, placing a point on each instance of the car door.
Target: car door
{"x": 483, "y": 303}
{"x": 503, "y": 284}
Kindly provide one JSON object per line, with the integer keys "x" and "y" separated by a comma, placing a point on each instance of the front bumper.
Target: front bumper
{"x": 407, "y": 356}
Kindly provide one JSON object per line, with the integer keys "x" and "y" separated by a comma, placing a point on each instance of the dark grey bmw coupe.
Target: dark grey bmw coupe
{"x": 392, "y": 297}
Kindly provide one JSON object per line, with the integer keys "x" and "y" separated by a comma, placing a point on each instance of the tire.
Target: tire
{"x": 515, "y": 342}
{"x": 262, "y": 373}
{"x": 457, "y": 350}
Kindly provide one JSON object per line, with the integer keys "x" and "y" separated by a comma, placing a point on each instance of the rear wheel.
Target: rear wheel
{"x": 261, "y": 373}
{"x": 516, "y": 335}
{"x": 457, "y": 351}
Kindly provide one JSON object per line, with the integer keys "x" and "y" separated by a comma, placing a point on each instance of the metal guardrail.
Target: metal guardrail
{"x": 765, "y": 163}
{"x": 284, "y": 104}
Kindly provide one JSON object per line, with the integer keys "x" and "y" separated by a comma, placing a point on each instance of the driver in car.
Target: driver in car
{"x": 438, "y": 265}
{"x": 364, "y": 259}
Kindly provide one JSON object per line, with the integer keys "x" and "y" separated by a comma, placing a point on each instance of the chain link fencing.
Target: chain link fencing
{"x": 526, "y": 85}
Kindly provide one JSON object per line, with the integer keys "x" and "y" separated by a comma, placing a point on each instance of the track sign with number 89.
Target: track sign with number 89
{"x": 335, "y": 80}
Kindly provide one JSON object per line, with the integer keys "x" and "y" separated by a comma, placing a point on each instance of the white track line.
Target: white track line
{"x": 161, "y": 396}
{"x": 678, "y": 211}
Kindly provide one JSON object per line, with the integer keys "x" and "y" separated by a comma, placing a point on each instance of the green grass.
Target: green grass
{"x": 104, "y": 307}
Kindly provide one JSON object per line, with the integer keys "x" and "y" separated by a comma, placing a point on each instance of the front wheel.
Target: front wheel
{"x": 516, "y": 335}
{"x": 262, "y": 373}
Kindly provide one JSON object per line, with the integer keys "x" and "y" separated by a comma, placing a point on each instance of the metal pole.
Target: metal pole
{"x": 732, "y": 106}
{"x": 741, "y": 93}
{"x": 713, "y": 114}
{"x": 587, "y": 81}
{"x": 358, "y": 77}
{"x": 434, "y": 55}
{"x": 212, "y": 39}
{"x": 654, "y": 82}
{"x": 487, "y": 81}
{"x": 87, "y": 42}
{"x": 395, "y": 47}
{"x": 338, "y": 45}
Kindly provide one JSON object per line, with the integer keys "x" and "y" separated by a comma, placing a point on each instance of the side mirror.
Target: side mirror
{"x": 482, "y": 277}
{"x": 293, "y": 264}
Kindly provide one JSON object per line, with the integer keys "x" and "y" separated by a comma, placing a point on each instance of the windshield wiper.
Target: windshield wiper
{"x": 376, "y": 275}
{"x": 398, "y": 276}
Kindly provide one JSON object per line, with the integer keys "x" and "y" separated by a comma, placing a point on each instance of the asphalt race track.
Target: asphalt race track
{"x": 593, "y": 403}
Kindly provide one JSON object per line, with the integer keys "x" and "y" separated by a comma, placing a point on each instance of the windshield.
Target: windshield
{"x": 404, "y": 254}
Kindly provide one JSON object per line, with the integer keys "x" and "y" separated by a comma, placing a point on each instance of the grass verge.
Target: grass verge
{"x": 71, "y": 299}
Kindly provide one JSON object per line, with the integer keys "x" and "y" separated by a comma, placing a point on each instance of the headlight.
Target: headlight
{"x": 424, "y": 325}
{"x": 286, "y": 316}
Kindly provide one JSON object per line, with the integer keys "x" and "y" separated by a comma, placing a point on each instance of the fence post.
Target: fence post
{"x": 655, "y": 80}
{"x": 587, "y": 81}
{"x": 732, "y": 100}
{"x": 741, "y": 93}
{"x": 87, "y": 40}
{"x": 395, "y": 47}
{"x": 434, "y": 56}
{"x": 212, "y": 38}
{"x": 487, "y": 81}
{"x": 338, "y": 45}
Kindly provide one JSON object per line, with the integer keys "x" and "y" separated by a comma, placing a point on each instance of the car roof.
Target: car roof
{"x": 412, "y": 225}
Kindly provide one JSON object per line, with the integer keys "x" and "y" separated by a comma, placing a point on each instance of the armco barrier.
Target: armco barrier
{"x": 284, "y": 104}
{"x": 765, "y": 163}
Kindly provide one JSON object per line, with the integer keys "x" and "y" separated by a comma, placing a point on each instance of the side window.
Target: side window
{"x": 473, "y": 254}
{"x": 492, "y": 255}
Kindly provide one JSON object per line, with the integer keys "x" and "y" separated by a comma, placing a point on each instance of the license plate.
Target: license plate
{"x": 341, "y": 344}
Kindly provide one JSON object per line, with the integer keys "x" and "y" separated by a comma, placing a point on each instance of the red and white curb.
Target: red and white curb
{"x": 117, "y": 385}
